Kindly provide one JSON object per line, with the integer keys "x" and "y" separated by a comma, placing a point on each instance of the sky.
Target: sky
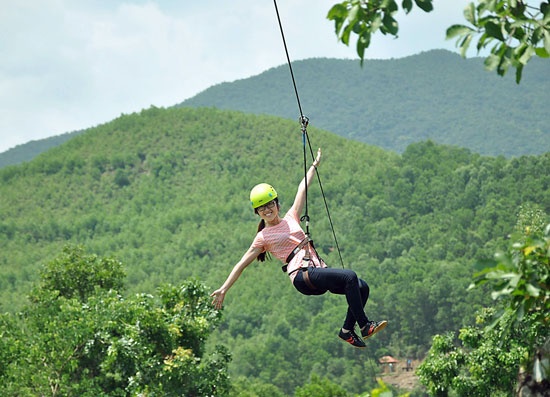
{"x": 68, "y": 65}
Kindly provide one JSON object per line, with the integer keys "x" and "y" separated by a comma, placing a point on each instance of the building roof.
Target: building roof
{"x": 387, "y": 360}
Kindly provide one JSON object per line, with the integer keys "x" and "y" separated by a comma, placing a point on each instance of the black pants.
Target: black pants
{"x": 342, "y": 282}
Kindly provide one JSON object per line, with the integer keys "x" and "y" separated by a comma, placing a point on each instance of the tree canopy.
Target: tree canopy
{"x": 79, "y": 336}
{"x": 508, "y": 349}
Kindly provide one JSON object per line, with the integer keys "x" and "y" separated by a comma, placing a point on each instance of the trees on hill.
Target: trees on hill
{"x": 79, "y": 336}
{"x": 509, "y": 348}
{"x": 411, "y": 225}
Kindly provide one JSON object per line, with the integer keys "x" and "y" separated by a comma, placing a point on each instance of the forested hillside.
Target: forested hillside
{"x": 166, "y": 192}
{"x": 392, "y": 103}
{"x": 28, "y": 151}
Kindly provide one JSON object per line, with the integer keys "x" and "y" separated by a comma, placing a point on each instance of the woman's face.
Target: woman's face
{"x": 268, "y": 211}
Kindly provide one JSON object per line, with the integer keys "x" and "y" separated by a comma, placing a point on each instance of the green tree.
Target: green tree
{"x": 320, "y": 388}
{"x": 72, "y": 340}
{"x": 75, "y": 274}
{"x": 515, "y": 29}
{"x": 510, "y": 345}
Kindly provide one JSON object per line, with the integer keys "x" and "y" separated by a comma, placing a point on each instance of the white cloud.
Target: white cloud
{"x": 71, "y": 64}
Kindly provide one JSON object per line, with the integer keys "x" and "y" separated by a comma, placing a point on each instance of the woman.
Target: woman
{"x": 285, "y": 240}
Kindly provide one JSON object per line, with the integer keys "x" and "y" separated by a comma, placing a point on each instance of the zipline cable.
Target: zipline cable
{"x": 304, "y": 121}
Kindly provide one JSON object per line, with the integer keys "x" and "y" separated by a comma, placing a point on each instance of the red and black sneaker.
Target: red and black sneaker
{"x": 373, "y": 327}
{"x": 352, "y": 338}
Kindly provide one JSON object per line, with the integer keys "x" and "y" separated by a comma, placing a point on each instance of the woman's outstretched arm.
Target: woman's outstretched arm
{"x": 300, "y": 198}
{"x": 219, "y": 294}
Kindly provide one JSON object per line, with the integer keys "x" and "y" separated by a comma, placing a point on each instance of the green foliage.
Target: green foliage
{"x": 411, "y": 225}
{"x": 320, "y": 388}
{"x": 98, "y": 343}
{"x": 490, "y": 356}
{"x": 242, "y": 387}
{"x": 486, "y": 362}
{"x": 383, "y": 391}
{"x": 30, "y": 150}
{"x": 389, "y": 103}
{"x": 521, "y": 276}
{"x": 520, "y": 30}
{"x": 77, "y": 275}
{"x": 365, "y": 18}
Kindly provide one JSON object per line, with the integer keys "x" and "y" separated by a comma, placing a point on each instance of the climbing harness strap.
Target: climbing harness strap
{"x": 305, "y": 275}
{"x": 297, "y": 249}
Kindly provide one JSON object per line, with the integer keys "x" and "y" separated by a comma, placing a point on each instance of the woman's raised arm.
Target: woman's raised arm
{"x": 300, "y": 198}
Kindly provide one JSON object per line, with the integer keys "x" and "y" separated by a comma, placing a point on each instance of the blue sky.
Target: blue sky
{"x": 73, "y": 64}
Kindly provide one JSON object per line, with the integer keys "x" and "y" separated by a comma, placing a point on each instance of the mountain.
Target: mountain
{"x": 165, "y": 191}
{"x": 392, "y": 103}
{"x": 434, "y": 95}
{"x": 28, "y": 151}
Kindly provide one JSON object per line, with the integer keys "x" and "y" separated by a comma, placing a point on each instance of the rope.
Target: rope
{"x": 288, "y": 60}
{"x": 304, "y": 121}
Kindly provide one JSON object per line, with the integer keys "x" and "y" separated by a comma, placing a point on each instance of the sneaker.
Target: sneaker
{"x": 373, "y": 327}
{"x": 352, "y": 338}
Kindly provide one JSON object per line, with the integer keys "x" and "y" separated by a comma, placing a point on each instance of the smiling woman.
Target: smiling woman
{"x": 284, "y": 238}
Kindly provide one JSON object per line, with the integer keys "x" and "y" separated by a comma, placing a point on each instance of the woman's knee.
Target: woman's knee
{"x": 364, "y": 287}
{"x": 351, "y": 278}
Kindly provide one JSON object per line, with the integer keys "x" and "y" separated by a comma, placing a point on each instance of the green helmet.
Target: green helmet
{"x": 262, "y": 194}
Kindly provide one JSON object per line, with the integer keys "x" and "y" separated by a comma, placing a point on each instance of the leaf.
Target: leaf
{"x": 363, "y": 42}
{"x": 425, "y": 5}
{"x": 470, "y": 13}
{"x": 375, "y": 24}
{"x": 519, "y": 71}
{"x": 338, "y": 11}
{"x": 494, "y": 30}
{"x": 532, "y": 290}
{"x": 346, "y": 33}
{"x": 465, "y": 44}
{"x": 407, "y": 5}
{"x": 458, "y": 30}
{"x": 390, "y": 24}
{"x": 526, "y": 54}
{"x": 538, "y": 370}
{"x": 492, "y": 62}
{"x": 392, "y": 6}
{"x": 496, "y": 275}
{"x": 338, "y": 14}
{"x": 354, "y": 13}
{"x": 528, "y": 250}
{"x": 497, "y": 294}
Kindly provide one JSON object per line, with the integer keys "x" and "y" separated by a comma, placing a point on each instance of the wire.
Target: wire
{"x": 304, "y": 121}
{"x": 288, "y": 60}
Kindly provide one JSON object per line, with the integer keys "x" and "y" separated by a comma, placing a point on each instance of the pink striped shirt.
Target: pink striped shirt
{"x": 282, "y": 238}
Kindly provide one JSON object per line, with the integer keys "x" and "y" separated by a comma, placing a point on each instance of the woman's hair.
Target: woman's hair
{"x": 261, "y": 226}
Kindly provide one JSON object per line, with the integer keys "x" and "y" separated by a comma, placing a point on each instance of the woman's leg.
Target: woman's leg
{"x": 344, "y": 282}
{"x": 350, "y": 317}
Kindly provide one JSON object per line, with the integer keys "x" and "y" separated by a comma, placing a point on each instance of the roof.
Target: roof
{"x": 387, "y": 360}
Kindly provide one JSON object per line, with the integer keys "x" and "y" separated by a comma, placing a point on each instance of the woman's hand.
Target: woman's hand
{"x": 317, "y": 160}
{"x": 218, "y": 297}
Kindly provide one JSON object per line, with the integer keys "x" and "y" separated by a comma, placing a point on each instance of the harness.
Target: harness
{"x": 305, "y": 261}
{"x": 297, "y": 249}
